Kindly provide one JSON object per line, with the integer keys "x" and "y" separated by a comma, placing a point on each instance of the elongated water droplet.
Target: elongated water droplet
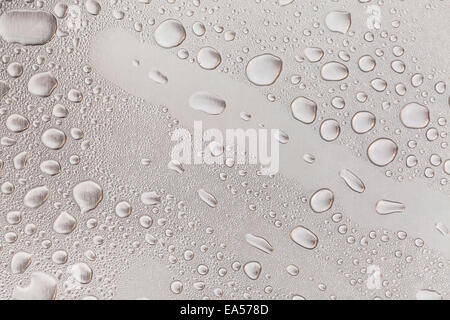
{"x": 27, "y": 27}
{"x": 259, "y": 243}
{"x": 207, "y": 102}
{"x": 150, "y": 198}
{"x": 36, "y": 197}
{"x": 352, "y": 180}
{"x": 384, "y": 207}
{"x": 207, "y": 198}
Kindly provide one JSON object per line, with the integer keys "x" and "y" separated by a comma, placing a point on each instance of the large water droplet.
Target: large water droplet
{"x": 264, "y": 70}
{"x": 304, "y": 110}
{"x": 42, "y": 287}
{"x": 87, "y": 195}
{"x": 352, "y": 180}
{"x": 36, "y": 197}
{"x": 207, "y": 102}
{"x": 322, "y": 200}
{"x": 382, "y": 151}
{"x": 27, "y": 27}
{"x": 333, "y": 71}
{"x": 384, "y": 207}
{"x": 208, "y": 58}
{"x": 363, "y": 122}
{"x": 338, "y": 21}
{"x": 304, "y": 237}
{"x": 252, "y": 269}
{"x": 415, "y": 116}
{"x": 65, "y": 223}
{"x": 170, "y": 33}
{"x": 42, "y": 84}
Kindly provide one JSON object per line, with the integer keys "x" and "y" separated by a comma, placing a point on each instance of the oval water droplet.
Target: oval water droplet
{"x": 363, "y": 122}
{"x": 322, "y": 200}
{"x": 208, "y": 58}
{"x": 333, "y": 71}
{"x": 27, "y": 27}
{"x": 304, "y": 237}
{"x": 330, "y": 130}
{"x": 207, "y": 102}
{"x": 36, "y": 197}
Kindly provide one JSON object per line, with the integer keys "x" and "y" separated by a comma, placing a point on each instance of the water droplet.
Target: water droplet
{"x": 252, "y": 269}
{"x": 352, "y": 181}
{"x": 53, "y": 138}
{"x": 123, "y": 209}
{"x": 264, "y": 70}
{"x": 322, "y": 200}
{"x": 313, "y": 54}
{"x": 304, "y": 110}
{"x": 207, "y": 198}
{"x": 170, "y": 33}
{"x": 338, "y": 21}
{"x": 81, "y": 272}
{"x": 36, "y": 197}
{"x": 333, "y": 71}
{"x": 158, "y": 77}
{"x": 259, "y": 243}
{"x": 27, "y": 27}
{"x": 207, "y": 102}
{"x": 330, "y": 130}
{"x": 20, "y": 262}
{"x": 382, "y": 151}
{"x": 384, "y": 207}
{"x": 208, "y": 58}
{"x": 17, "y": 123}
{"x": 150, "y": 198}
{"x": 87, "y": 195}
{"x": 304, "y": 237}
{"x": 65, "y": 223}
{"x": 363, "y": 122}
{"x": 42, "y": 84}
{"x": 41, "y": 287}
{"x": 415, "y": 116}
